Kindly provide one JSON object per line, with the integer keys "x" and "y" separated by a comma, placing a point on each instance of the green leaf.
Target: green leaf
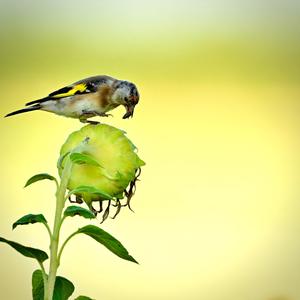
{"x": 106, "y": 240}
{"x": 37, "y": 285}
{"x": 39, "y": 177}
{"x": 30, "y": 219}
{"x": 73, "y": 210}
{"x": 90, "y": 190}
{"x": 84, "y": 298}
{"x": 80, "y": 158}
{"x": 27, "y": 251}
{"x": 61, "y": 158}
{"x": 63, "y": 288}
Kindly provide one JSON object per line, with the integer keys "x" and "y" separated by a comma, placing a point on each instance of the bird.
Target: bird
{"x": 87, "y": 98}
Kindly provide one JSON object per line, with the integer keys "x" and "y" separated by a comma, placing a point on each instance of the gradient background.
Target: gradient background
{"x": 217, "y": 210}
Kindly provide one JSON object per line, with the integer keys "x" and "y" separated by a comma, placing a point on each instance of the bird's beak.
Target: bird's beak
{"x": 129, "y": 111}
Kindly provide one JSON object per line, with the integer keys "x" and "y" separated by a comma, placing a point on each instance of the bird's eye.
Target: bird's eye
{"x": 126, "y": 99}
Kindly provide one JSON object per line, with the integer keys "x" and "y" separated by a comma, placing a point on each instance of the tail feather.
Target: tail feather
{"x": 27, "y": 109}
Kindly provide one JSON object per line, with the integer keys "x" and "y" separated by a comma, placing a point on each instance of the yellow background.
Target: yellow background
{"x": 217, "y": 209}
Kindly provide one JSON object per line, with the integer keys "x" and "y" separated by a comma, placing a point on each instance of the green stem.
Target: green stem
{"x": 60, "y": 203}
{"x": 64, "y": 244}
{"x": 58, "y": 220}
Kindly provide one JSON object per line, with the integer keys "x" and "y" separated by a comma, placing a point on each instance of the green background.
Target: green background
{"x": 217, "y": 209}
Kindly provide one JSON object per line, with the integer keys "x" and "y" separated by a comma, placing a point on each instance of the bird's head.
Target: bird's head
{"x": 126, "y": 94}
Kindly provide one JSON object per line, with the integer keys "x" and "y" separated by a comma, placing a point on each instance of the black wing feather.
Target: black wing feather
{"x": 91, "y": 86}
{"x": 37, "y": 101}
{"x": 60, "y": 91}
{"x": 49, "y": 97}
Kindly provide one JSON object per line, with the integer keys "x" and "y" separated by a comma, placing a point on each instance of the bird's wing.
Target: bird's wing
{"x": 67, "y": 91}
{"x": 80, "y": 88}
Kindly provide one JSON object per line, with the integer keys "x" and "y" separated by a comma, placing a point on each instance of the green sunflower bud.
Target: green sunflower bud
{"x": 105, "y": 164}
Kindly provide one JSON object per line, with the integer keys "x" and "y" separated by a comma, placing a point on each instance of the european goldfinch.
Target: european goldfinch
{"x": 89, "y": 97}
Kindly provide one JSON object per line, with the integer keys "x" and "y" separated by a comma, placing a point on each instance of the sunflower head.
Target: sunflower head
{"x": 114, "y": 171}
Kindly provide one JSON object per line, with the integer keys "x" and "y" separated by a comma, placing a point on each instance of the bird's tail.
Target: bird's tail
{"x": 20, "y": 111}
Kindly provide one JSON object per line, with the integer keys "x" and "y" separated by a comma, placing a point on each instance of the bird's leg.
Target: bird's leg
{"x": 103, "y": 114}
{"x": 87, "y": 114}
{"x": 89, "y": 121}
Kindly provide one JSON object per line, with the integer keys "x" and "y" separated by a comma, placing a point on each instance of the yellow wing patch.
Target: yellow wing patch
{"x": 79, "y": 88}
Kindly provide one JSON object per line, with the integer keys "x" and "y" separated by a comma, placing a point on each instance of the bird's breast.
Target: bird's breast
{"x": 75, "y": 106}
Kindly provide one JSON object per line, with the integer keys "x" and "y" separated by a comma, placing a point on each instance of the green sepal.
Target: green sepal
{"x": 27, "y": 251}
{"x": 80, "y": 158}
{"x": 30, "y": 219}
{"x": 61, "y": 158}
{"x": 74, "y": 210}
{"x": 90, "y": 190}
{"x": 107, "y": 240}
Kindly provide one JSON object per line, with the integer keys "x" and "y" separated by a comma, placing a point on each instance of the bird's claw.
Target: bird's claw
{"x": 105, "y": 115}
{"x": 84, "y": 121}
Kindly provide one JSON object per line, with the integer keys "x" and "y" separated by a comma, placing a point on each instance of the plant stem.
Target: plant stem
{"x": 60, "y": 203}
{"x": 58, "y": 220}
